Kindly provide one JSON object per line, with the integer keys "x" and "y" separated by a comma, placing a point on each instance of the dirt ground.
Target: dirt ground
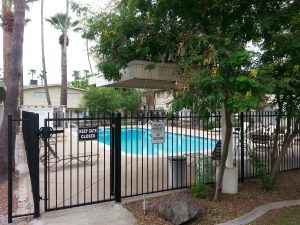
{"x": 229, "y": 207}
{"x": 4, "y": 197}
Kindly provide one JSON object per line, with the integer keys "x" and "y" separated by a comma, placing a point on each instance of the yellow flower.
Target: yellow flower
{"x": 214, "y": 72}
{"x": 296, "y": 68}
{"x": 248, "y": 94}
{"x": 253, "y": 73}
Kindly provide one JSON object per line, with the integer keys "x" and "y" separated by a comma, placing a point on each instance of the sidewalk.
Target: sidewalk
{"x": 104, "y": 214}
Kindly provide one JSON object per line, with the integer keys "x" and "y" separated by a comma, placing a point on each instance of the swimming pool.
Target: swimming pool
{"x": 138, "y": 141}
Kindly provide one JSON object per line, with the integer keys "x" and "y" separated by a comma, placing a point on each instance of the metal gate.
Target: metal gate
{"x": 78, "y": 169}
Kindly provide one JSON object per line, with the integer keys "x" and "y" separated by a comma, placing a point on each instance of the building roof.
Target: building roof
{"x": 50, "y": 85}
{"x": 136, "y": 75}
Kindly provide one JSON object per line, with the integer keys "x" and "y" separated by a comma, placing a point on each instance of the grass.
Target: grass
{"x": 284, "y": 216}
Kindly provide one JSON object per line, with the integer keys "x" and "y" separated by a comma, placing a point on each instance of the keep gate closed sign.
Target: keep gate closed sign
{"x": 158, "y": 132}
{"x": 87, "y": 133}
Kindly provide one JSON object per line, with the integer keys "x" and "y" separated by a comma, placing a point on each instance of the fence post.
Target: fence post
{"x": 36, "y": 171}
{"x": 10, "y": 194}
{"x": 118, "y": 158}
{"x": 242, "y": 148}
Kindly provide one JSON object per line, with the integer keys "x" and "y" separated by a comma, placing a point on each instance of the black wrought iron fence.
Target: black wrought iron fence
{"x": 93, "y": 158}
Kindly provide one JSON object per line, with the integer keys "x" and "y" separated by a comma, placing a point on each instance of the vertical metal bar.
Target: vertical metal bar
{"x": 63, "y": 140}
{"x": 142, "y": 186}
{"x": 91, "y": 155}
{"x": 126, "y": 149}
{"x": 118, "y": 158}
{"x": 112, "y": 151}
{"x": 98, "y": 156}
{"x": 77, "y": 169}
{"x": 131, "y": 154}
{"x": 10, "y": 180}
{"x": 71, "y": 154}
{"x": 104, "y": 159}
{"x": 45, "y": 169}
{"x": 147, "y": 140}
{"x": 242, "y": 148}
{"x": 36, "y": 180}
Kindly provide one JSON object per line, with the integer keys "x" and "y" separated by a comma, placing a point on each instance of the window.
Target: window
{"x": 73, "y": 95}
{"x": 39, "y": 94}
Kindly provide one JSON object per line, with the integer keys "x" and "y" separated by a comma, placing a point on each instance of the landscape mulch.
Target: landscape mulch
{"x": 229, "y": 207}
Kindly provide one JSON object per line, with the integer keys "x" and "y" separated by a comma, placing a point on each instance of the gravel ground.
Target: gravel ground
{"x": 231, "y": 206}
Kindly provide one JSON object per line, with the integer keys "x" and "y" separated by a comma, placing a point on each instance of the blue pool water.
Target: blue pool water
{"x": 138, "y": 141}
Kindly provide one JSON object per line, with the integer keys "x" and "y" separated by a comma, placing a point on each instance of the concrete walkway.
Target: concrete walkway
{"x": 104, "y": 214}
{"x": 259, "y": 211}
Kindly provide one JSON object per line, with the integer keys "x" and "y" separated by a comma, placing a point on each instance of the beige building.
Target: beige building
{"x": 36, "y": 96}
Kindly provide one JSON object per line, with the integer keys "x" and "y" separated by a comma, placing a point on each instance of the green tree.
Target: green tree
{"x": 80, "y": 81}
{"x": 207, "y": 39}
{"x": 280, "y": 66}
{"x": 102, "y": 100}
{"x": 130, "y": 100}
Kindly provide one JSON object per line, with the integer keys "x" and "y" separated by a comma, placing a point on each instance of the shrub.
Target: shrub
{"x": 262, "y": 169}
{"x": 204, "y": 174}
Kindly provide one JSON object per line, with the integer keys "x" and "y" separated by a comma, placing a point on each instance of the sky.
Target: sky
{"x": 77, "y": 56}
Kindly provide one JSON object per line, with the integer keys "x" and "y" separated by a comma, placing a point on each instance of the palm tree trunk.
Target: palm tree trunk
{"x": 7, "y": 35}
{"x": 64, "y": 79}
{"x": 11, "y": 102}
{"x": 43, "y": 55}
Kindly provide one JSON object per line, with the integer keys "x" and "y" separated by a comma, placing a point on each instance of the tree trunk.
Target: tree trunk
{"x": 64, "y": 79}
{"x": 225, "y": 149}
{"x": 7, "y": 38}
{"x": 88, "y": 55}
{"x": 286, "y": 143}
{"x": 11, "y": 102}
{"x": 150, "y": 99}
{"x": 43, "y": 55}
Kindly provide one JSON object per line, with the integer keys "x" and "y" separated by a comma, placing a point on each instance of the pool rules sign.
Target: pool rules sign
{"x": 87, "y": 133}
{"x": 158, "y": 132}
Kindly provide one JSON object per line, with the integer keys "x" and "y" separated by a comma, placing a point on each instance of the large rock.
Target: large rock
{"x": 178, "y": 209}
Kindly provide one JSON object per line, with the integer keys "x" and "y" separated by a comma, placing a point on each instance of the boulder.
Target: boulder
{"x": 178, "y": 209}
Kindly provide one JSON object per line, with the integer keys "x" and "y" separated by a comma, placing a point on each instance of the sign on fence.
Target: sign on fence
{"x": 158, "y": 132}
{"x": 87, "y": 133}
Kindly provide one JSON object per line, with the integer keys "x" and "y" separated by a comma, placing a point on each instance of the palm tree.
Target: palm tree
{"x": 13, "y": 81}
{"x": 59, "y": 22}
{"x": 43, "y": 74}
{"x": 32, "y": 72}
{"x": 8, "y": 18}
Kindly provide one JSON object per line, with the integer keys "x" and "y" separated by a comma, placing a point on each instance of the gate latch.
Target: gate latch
{"x": 47, "y": 132}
